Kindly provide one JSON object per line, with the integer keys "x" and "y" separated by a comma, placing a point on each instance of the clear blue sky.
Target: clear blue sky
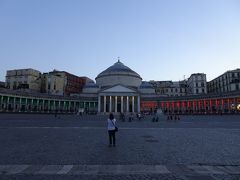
{"x": 159, "y": 39}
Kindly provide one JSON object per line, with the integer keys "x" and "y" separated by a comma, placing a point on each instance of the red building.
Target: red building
{"x": 74, "y": 84}
{"x": 69, "y": 83}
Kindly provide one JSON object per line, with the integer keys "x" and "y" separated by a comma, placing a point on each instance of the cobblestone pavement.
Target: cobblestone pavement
{"x": 72, "y": 147}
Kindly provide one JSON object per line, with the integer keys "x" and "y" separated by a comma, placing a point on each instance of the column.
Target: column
{"x": 37, "y": 105}
{"x": 228, "y": 106}
{"x": 53, "y": 106}
{"x": 1, "y": 102}
{"x": 127, "y": 104}
{"x": 99, "y": 104}
{"x": 26, "y": 105}
{"x": 31, "y": 105}
{"x": 121, "y": 103}
{"x": 104, "y": 104}
{"x": 74, "y": 106}
{"x": 7, "y": 103}
{"x": 139, "y": 110}
{"x": 49, "y": 105}
{"x": 95, "y": 105}
{"x": 69, "y": 107}
{"x": 133, "y": 104}
{"x": 59, "y": 106}
{"x": 43, "y": 103}
{"x": 110, "y": 104}
{"x": 115, "y": 104}
{"x": 14, "y": 104}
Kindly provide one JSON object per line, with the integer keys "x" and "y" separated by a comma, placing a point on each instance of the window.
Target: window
{"x": 196, "y": 84}
{"x": 197, "y": 91}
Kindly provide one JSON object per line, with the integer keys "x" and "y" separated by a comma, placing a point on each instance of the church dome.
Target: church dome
{"x": 117, "y": 69}
{"x": 146, "y": 85}
{"x": 118, "y": 73}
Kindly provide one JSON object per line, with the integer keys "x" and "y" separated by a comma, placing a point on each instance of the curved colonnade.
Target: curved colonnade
{"x": 47, "y": 104}
{"x": 202, "y": 104}
{"x": 225, "y": 103}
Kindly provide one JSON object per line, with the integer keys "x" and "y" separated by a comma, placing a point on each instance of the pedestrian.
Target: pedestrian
{"x": 111, "y": 125}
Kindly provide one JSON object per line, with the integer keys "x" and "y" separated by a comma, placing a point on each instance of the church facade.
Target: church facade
{"x": 118, "y": 89}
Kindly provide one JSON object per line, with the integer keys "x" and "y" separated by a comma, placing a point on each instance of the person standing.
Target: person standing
{"x": 111, "y": 125}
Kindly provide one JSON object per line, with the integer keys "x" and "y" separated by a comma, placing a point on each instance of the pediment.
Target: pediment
{"x": 119, "y": 88}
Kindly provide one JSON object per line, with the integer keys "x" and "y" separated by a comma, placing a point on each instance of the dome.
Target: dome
{"x": 118, "y": 68}
{"x": 147, "y": 88}
{"x": 91, "y": 85}
{"x": 118, "y": 73}
{"x": 146, "y": 85}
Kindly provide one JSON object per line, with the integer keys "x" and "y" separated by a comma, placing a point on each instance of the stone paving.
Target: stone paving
{"x": 73, "y": 147}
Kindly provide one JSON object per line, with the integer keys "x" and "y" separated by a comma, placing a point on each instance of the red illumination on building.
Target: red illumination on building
{"x": 162, "y": 105}
{"x": 177, "y": 104}
{"x": 193, "y": 106}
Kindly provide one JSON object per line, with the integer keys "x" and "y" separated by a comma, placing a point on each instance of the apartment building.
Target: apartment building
{"x": 227, "y": 82}
{"x": 197, "y": 84}
{"x": 169, "y": 88}
{"x": 28, "y": 79}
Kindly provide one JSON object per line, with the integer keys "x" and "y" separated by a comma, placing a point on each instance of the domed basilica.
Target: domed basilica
{"x": 119, "y": 89}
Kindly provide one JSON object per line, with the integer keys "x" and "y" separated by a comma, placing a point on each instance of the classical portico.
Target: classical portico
{"x": 118, "y": 99}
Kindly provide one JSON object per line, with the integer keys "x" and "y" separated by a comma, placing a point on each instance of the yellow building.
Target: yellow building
{"x": 28, "y": 79}
{"x": 53, "y": 83}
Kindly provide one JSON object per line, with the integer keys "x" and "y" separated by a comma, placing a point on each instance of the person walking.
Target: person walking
{"x": 111, "y": 125}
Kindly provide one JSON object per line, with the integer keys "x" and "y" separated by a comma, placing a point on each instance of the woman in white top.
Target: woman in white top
{"x": 111, "y": 125}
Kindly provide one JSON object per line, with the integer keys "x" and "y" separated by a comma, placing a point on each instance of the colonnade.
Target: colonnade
{"x": 210, "y": 105}
{"x": 10, "y": 103}
{"x": 118, "y": 104}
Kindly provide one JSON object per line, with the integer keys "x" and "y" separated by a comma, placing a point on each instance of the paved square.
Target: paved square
{"x": 74, "y": 147}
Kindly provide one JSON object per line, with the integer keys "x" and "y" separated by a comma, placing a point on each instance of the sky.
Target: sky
{"x": 159, "y": 39}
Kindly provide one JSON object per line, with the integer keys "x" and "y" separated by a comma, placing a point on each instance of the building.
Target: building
{"x": 53, "y": 83}
{"x": 170, "y": 88}
{"x": 2, "y": 84}
{"x": 23, "y": 79}
{"x": 62, "y": 83}
{"x": 197, "y": 84}
{"x": 119, "y": 89}
{"x": 227, "y": 82}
